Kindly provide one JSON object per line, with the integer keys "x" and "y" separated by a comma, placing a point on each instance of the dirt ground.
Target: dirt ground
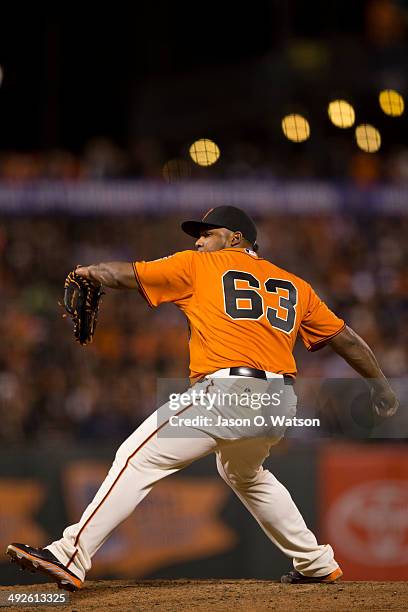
{"x": 248, "y": 595}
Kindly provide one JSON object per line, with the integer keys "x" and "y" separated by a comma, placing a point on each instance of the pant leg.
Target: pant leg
{"x": 141, "y": 461}
{"x": 240, "y": 465}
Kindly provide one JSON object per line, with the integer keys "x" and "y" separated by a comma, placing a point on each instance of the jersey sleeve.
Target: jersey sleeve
{"x": 170, "y": 279}
{"x": 319, "y": 323}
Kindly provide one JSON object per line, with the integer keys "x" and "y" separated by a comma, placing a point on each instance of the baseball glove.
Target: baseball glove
{"x": 81, "y": 301}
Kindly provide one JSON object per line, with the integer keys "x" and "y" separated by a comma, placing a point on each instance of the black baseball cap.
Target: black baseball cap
{"x": 230, "y": 217}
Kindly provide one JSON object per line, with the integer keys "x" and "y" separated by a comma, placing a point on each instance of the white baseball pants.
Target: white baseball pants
{"x": 148, "y": 455}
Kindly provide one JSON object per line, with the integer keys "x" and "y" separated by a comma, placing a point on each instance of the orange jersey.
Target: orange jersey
{"x": 242, "y": 310}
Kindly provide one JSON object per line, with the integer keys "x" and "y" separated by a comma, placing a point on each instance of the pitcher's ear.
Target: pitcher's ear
{"x": 236, "y": 238}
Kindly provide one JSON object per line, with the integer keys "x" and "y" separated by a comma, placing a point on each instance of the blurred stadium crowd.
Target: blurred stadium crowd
{"x": 52, "y": 388}
{"x": 240, "y": 159}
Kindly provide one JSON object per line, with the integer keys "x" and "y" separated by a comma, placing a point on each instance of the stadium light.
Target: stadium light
{"x": 341, "y": 113}
{"x": 296, "y": 128}
{"x": 368, "y": 138}
{"x": 204, "y": 152}
{"x": 391, "y": 102}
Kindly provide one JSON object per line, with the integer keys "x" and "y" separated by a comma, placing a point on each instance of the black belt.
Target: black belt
{"x": 254, "y": 373}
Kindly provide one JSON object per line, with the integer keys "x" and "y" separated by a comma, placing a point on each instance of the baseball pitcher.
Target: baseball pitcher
{"x": 244, "y": 314}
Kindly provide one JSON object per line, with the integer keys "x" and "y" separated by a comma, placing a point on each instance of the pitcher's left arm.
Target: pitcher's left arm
{"x": 113, "y": 274}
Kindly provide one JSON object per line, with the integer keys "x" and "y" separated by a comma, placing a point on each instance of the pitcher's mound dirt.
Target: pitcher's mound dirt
{"x": 228, "y": 595}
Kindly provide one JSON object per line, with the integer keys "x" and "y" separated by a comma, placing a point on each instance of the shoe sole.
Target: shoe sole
{"x": 333, "y": 577}
{"x": 330, "y": 579}
{"x": 63, "y": 579}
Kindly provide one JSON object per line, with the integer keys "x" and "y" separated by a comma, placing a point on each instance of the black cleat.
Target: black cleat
{"x": 295, "y": 577}
{"x": 42, "y": 560}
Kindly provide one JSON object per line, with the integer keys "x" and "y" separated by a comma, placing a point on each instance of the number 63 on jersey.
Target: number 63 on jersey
{"x": 247, "y": 303}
